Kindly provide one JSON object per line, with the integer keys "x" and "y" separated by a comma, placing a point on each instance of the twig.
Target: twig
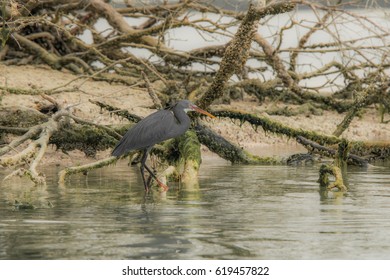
{"x": 117, "y": 111}
{"x": 152, "y": 93}
{"x": 84, "y": 168}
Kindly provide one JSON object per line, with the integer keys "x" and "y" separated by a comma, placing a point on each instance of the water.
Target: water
{"x": 236, "y": 212}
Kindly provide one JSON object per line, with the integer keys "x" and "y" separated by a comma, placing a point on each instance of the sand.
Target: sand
{"x": 136, "y": 100}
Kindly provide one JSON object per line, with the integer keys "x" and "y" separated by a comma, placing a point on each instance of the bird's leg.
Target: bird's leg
{"x": 143, "y": 167}
{"x": 143, "y": 179}
{"x": 150, "y": 177}
{"x": 143, "y": 160}
{"x": 161, "y": 184}
{"x": 149, "y": 180}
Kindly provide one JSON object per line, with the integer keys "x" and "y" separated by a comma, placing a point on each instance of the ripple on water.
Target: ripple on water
{"x": 266, "y": 212}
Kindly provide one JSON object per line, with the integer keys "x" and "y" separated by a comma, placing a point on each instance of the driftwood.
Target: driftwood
{"x": 227, "y": 150}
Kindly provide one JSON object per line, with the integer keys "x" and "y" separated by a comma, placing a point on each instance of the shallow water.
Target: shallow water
{"x": 236, "y": 212}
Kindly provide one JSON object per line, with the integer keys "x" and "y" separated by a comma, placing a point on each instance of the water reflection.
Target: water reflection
{"x": 266, "y": 212}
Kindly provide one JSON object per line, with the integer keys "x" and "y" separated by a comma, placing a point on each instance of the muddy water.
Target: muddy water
{"x": 236, "y": 212}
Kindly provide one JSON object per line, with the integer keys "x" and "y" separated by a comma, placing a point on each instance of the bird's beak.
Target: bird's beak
{"x": 196, "y": 108}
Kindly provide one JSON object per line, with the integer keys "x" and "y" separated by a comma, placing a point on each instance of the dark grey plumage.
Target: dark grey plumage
{"x": 155, "y": 128}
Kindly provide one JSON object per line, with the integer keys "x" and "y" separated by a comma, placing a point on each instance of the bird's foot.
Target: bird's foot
{"x": 164, "y": 187}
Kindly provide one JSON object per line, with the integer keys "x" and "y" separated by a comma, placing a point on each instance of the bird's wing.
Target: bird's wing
{"x": 153, "y": 129}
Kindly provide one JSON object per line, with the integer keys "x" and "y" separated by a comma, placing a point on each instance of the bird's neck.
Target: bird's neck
{"x": 182, "y": 119}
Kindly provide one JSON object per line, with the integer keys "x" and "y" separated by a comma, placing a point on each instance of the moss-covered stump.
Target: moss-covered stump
{"x": 190, "y": 157}
{"x": 336, "y": 169}
{"x": 338, "y": 184}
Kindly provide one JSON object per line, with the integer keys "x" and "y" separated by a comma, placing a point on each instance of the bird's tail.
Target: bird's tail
{"x": 119, "y": 150}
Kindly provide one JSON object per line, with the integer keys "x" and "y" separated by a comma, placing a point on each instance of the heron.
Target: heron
{"x": 155, "y": 128}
